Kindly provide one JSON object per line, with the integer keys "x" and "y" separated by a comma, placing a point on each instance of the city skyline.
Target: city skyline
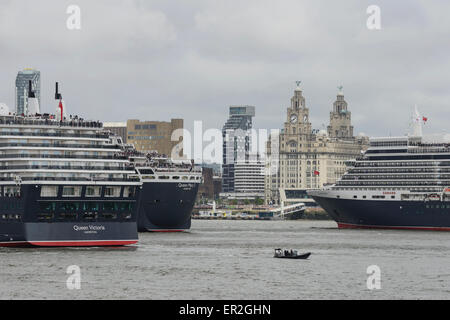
{"x": 236, "y": 158}
{"x": 195, "y": 61}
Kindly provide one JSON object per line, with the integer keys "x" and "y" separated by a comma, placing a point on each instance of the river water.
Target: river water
{"x": 234, "y": 260}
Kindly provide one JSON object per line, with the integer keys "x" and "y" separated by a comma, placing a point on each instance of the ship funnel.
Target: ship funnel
{"x": 61, "y": 108}
{"x": 58, "y": 96}
{"x": 33, "y": 103}
{"x": 30, "y": 90}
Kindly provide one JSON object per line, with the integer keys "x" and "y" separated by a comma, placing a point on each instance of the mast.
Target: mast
{"x": 416, "y": 123}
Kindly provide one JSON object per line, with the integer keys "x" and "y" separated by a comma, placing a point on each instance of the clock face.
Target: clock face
{"x": 294, "y": 118}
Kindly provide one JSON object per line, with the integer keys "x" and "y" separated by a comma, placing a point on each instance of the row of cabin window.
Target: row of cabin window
{"x": 373, "y": 197}
{"x": 87, "y": 216}
{"x": 52, "y": 206}
{"x": 91, "y": 191}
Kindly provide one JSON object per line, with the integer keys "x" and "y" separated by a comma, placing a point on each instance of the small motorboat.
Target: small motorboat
{"x": 290, "y": 254}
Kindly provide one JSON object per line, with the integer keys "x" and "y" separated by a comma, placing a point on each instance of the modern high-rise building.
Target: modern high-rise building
{"x": 249, "y": 178}
{"x": 22, "y": 80}
{"x": 307, "y": 158}
{"x": 236, "y": 135}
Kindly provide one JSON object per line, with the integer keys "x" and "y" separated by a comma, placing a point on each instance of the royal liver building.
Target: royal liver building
{"x": 302, "y": 158}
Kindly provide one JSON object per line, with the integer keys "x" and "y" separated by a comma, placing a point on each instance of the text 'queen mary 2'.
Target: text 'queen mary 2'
{"x": 63, "y": 182}
{"x": 399, "y": 183}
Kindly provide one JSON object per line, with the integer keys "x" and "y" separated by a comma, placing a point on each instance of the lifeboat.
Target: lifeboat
{"x": 434, "y": 197}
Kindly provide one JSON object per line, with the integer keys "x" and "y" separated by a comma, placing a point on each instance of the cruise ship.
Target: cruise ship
{"x": 63, "y": 181}
{"x": 169, "y": 190}
{"x": 398, "y": 183}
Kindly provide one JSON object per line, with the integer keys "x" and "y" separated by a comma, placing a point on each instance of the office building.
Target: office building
{"x": 306, "y": 158}
{"x": 149, "y": 136}
{"x": 249, "y": 178}
{"x": 236, "y": 135}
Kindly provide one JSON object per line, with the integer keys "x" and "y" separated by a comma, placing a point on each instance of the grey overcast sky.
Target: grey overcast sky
{"x": 165, "y": 59}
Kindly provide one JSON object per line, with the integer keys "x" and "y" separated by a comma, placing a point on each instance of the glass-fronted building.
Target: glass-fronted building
{"x": 236, "y": 142}
{"x": 22, "y": 79}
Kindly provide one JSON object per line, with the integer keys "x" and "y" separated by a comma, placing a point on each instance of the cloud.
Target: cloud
{"x": 108, "y": 29}
{"x": 192, "y": 59}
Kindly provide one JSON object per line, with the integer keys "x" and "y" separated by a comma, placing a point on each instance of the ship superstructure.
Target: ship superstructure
{"x": 399, "y": 183}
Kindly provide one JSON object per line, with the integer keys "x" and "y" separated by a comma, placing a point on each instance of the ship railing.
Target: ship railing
{"x": 59, "y": 145}
{"x": 50, "y": 134}
{"x": 177, "y": 169}
{"x": 429, "y": 150}
{"x": 37, "y": 167}
{"x": 53, "y": 156}
{"x": 421, "y": 144}
{"x": 130, "y": 179}
{"x": 400, "y": 171}
{"x": 364, "y": 178}
{"x": 402, "y": 164}
{"x": 379, "y": 184}
{"x": 46, "y": 120}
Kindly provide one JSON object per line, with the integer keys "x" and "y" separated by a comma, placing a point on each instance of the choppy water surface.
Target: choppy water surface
{"x": 234, "y": 260}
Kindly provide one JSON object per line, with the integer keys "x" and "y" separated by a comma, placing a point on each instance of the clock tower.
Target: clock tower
{"x": 299, "y": 158}
{"x": 297, "y": 122}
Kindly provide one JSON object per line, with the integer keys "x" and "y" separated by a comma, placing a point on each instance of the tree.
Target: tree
{"x": 259, "y": 201}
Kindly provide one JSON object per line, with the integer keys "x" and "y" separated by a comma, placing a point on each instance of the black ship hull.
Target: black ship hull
{"x": 68, "y": 234}
{"x": 31, "y": 220}
{"x": 378, "y": 214}
{"x": 166, "y": 206}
